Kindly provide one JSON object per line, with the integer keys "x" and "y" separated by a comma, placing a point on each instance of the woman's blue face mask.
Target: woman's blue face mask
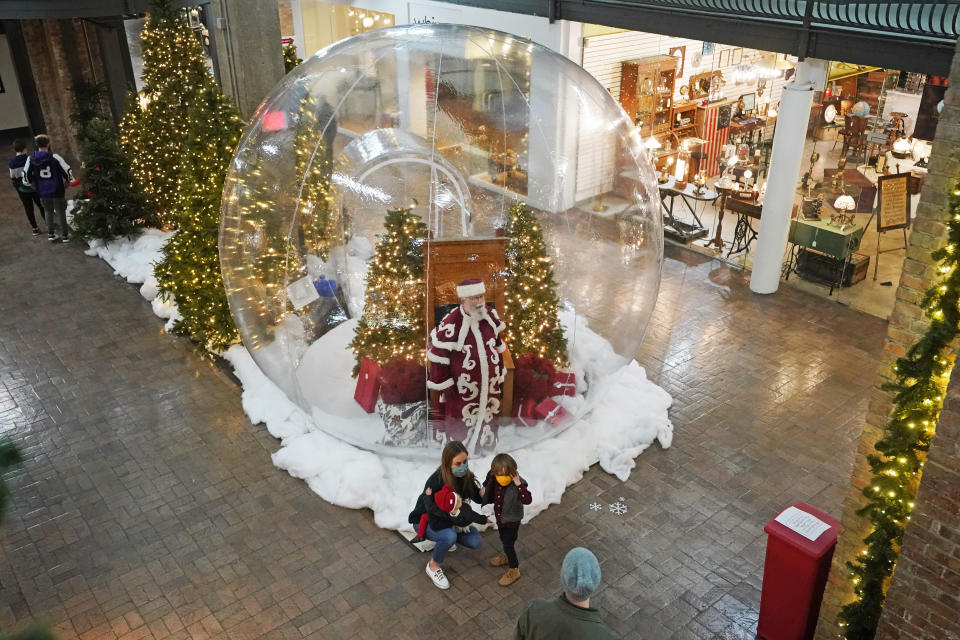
{"x": 460, "y": 471}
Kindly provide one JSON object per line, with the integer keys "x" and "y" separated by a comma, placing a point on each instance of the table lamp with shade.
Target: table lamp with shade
{"x": 844, "y": 205}
{"x": 902, "y": 147}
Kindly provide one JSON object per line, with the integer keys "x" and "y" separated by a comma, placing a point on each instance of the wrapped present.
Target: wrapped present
{"x": 563, "y": 384}
{"x": 326, "y": 288}
{"x": 368, "y": 385}
{"x": 549, "y": 411}
{"x": 527, "y": 415}
{"x": 405, "y": 425}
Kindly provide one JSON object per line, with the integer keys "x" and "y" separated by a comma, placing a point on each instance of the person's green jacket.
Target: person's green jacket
{"x": 559, "y": 620}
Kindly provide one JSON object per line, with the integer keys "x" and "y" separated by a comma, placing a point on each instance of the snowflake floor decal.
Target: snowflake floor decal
{"x": 618, "y": 508}
{"x": 596, "y": 506}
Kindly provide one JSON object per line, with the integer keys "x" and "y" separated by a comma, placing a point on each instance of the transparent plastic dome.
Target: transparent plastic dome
{"x": 391, "y": 166}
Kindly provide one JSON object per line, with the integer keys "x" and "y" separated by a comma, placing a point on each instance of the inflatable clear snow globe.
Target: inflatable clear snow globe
{"x": 440, "y": 232}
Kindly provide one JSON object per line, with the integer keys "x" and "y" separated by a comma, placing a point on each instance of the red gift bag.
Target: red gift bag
{"x": 551, "y": 412}
{"x": 563, "y": 384}
{"x": 368, "y": 385}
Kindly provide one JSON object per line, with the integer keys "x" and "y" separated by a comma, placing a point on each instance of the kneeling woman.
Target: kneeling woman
{"x": 443, "y": 528}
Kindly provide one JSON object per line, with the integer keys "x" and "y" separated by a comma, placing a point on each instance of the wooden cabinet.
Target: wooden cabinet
{"x": 646, "y": 92}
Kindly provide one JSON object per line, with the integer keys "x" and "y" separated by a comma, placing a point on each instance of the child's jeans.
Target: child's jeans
{"x": 446, "y": 538}
{"x": 508, "y": 536}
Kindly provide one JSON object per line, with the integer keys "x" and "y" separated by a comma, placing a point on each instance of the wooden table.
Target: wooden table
{"x": 868, "y": 189}
{"x": 678, "y": 229}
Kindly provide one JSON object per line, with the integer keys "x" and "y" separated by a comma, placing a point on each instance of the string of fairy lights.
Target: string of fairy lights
{"x": 920, "y": 378}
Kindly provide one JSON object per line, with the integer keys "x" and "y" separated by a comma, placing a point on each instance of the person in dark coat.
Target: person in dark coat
{"x": 568, "y": 617}
{"x": 28, "y": 197}
{"x": 443, "y": 529}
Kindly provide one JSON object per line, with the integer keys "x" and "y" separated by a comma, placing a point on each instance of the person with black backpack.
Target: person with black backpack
{"x": 48, "y": 174}
{"x": 27, "y": 195}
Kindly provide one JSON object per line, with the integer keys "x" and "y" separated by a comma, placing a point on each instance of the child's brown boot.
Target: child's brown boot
{"x": 510, "y": 577}
{"x": 499, "y": 560}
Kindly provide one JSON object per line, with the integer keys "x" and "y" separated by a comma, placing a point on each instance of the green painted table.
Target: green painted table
{"x": 819, "y": 235}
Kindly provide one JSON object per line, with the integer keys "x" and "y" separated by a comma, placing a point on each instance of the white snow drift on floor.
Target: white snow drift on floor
{"x": 628, "y": 414}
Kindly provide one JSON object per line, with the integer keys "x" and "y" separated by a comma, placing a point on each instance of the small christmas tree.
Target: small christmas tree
{"x": 393, "y": 321}
{"x": 174, "y": 74}
{"x": 290, "y": 59}
{"x": 109, "y": 206}
{"x": 531, "y": 297}
{"x": 189, "y": 272}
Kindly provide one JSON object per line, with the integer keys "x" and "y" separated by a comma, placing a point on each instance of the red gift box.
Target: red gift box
{"x": 528, "y": 412}
{"x": 368, "y": 385}
{"x": 563, "y": 384}
{"x": 553, "y": 413}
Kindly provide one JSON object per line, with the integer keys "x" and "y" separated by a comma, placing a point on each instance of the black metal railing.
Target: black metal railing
{"x": 935, "y": 20}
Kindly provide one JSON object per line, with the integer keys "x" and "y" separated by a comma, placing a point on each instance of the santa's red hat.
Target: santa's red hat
{"x": 446, "y": 499}
{"x": 471, "y": 287}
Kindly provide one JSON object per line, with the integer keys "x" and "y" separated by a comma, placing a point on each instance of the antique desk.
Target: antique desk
{"x": 679, "y": 229}
{"x": 853, "y": 177}
{"x": 820, "y": 236}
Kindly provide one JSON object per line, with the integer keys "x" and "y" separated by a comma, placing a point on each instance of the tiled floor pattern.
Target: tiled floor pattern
{"x": 148, "y": 506}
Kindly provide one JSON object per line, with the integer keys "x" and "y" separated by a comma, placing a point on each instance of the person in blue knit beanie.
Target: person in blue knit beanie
{"x": 569, "y": 616}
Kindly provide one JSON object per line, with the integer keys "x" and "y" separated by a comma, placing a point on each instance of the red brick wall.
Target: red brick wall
{"x": 50, "y": 66}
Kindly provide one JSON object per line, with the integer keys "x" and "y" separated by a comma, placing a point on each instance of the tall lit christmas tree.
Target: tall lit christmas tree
{"x": 394, "y": 312}
{"x": 313, "y": 165}
{"x": 531, "y": 296}
{"x": 174, "y": 74}
{"x": 108, "y": 206}
{"x": 189, "y": 272}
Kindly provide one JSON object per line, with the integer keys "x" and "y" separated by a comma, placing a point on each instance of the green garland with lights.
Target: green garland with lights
{"x": 920, "y": 378}
{"x": 394, "y": 311}
{"x": 531, "y": 297}
{"x": 174, "y": 74}
{"x": 189, "y": 272}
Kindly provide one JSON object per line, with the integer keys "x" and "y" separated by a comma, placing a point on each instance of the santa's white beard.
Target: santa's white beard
{"x": 479, "y": 312}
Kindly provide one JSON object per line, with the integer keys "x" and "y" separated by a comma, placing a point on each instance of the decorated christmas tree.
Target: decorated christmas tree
{"x": 393, "y": 321}
{"x": 189, "y": 272}
{"x": 531, "y": 297}
{"x": 108, "y": 206}
{"x": 174, "y": 75}
{"x": 290, "y": 59}
{"x": 315, "y": 210}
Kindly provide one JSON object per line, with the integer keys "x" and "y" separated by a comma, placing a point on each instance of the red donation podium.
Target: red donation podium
{"x": 794, "y": 575}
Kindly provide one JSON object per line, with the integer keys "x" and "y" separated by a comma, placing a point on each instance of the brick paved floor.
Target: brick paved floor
{"x": 148, "y": 506}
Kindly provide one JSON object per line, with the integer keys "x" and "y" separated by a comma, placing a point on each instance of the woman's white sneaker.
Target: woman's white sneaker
{"x": 439, "y": 579}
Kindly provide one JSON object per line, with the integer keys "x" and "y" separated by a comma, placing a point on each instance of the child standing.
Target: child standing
{"x": 507, "y": 491}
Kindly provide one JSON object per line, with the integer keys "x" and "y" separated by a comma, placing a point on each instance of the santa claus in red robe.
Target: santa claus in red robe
{"x": 466, "y": 368}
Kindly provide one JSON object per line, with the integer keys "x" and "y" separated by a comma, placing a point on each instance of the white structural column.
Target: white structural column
{"x": 785, "y": 159}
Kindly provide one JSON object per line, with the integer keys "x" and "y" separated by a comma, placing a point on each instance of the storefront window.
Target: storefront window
{"x": 325, "y": 23}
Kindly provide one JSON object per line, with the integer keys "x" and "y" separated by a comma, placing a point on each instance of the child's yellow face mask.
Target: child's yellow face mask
{"x": 504, "y": 480}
